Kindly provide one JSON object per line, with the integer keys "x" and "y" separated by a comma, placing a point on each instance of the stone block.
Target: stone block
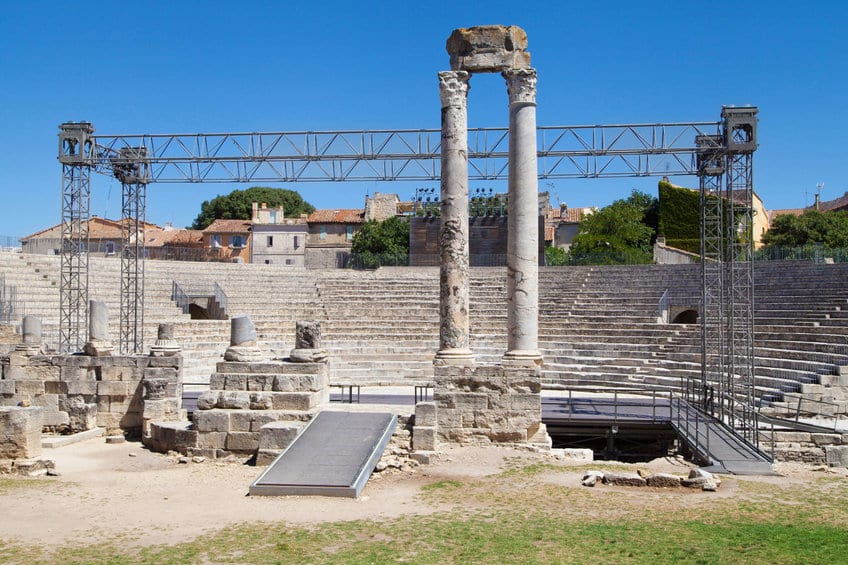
{"x": 217, "y": 381}
{"x": 50, "y": 402}
{"x": 211, "y": 440}
{"x": 108, "y": 420}
{"x": 259, "y": 382}
{"x": 55, "y": 387}
{"x": 261, "y": 401}
{"x": 826, "y": 439}
{"x": 29, "y": 388}
{"x": 265, "y": 457}
{"x": 20, "y": 432}
{"x": 466, "y": 401}
{"x": 278, "y": 435}
{"x": 836, "y": 455}
{"x": 294, "y": 400}
{"x": 88, "y": 388}
{"x": 164, "y": 410}
{"x": 624, "y": 479}
{"x": 208, "y": 400}
{"x": 112, "y": 388}
{"x": 55, "y": 419}
{"x": 663, "y": 480}
{"x": 242, "y": 441}
{"x": 169, "y": 373}
{"x": 172, "y": 361}
{"x": 212, "y": 421}
{"x": 234, "y": 400}
{"x": 425, "y": 414}
{"x": 260, "y": 419}
{"x": 526, "y": 402}
{"x": 424, "y": 438}
{"x": 240, "y": 420}
{"x": 7, "y": 387}
{"x": 235, "y": 382}
{"x": 121, "y": 374}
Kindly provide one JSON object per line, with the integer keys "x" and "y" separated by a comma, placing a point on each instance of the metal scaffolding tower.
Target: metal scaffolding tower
{"x": 727, "y": 272}
{"x": 131, "y": 167}
{"x": 76, "y": 154}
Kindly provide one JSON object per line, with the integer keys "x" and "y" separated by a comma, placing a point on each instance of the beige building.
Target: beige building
{"x": 277, "y": 240}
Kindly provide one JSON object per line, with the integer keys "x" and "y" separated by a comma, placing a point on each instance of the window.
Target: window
{"x": 273, "y": 215}
{"x": 215, "y": 241}
{"x": 267, "y": 261}
{"x": 296, "y": 242}
{"x": 270, "y": 241}
{"x": 289, "y": 261}
{"x": 110, "y": 248}
{"x": 237, "y": 241}
{"x": 349, "y": 233}
{"x": 323, "y": 232}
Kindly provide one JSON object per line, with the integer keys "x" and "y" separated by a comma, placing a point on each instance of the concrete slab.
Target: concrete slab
{"x": 50, "y": 442}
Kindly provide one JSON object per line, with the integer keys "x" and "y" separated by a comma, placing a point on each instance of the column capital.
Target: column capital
{"x": 453, "y": 88}
{"x": 521, "y": 85}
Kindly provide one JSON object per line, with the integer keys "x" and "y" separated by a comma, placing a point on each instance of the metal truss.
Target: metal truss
{"x": 133, "y": 176}
{"x": 600, "y": 151}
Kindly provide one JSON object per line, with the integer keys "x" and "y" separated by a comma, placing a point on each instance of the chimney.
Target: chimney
{"x": 563, "y": 210}
{"x": 264, "y": 205}
{"x": 254, "y": 211}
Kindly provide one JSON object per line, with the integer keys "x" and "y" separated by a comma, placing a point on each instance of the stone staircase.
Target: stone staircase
{"x": 598, "y": 326}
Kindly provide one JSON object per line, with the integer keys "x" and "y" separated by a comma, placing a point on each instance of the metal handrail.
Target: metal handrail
{"x": 220, "y": 297}
{"x": 663, "y": 307}
{"x": 179, "y": 296}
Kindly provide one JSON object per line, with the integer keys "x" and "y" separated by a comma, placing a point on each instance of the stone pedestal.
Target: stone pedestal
{"x": 454, "y": 276}
{"x": 523, "y": 218}
{"x": 245, "y": 397}
{"x": 488, "y": 404}
{"x": 307, "y": 346}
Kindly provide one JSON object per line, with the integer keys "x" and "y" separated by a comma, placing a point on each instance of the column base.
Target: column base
{"x": 459, "y": 356}
{"x": 524, "y": 357}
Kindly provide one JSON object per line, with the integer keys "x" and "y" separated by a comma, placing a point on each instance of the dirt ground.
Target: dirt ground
{"x": 109, "y": 491}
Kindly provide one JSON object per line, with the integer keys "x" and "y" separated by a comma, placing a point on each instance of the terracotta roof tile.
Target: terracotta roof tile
{"x": 98, "y": 228}
{"x": 229, "y": 226}
{"x": 177, "y": 238}
{"x": 355, "y": 216}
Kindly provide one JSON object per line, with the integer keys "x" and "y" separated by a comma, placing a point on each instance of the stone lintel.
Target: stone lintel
{"x": 488, "y": 49}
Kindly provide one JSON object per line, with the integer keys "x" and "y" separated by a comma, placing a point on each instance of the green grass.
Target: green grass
{"x": 519, "y": 516}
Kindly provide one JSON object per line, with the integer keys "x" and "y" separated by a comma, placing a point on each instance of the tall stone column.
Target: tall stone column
{"x": 523, "y": 218}
{"x": 454, "y": 328}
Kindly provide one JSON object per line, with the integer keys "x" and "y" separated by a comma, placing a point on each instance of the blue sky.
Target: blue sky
{"x": 184, "y": 67}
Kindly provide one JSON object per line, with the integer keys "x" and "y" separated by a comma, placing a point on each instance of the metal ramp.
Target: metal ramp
{"x": 712, "y": 441}
{"x": 334, "y": 455}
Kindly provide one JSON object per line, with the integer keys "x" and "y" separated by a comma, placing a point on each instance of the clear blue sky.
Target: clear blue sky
{"x": 210, "y": 66}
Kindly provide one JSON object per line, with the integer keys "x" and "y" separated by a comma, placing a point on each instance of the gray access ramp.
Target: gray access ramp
{"x": 333, "y": 456}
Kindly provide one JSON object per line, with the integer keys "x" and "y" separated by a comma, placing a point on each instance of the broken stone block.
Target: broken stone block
{"x": 425, "y": 414}
{"x": 82, "y": 416}
{"x": 488, "y": 49}
{"x": 20, "y": 432}
{"x": 663, "y": 480}
{"x": 278, "y": 435}
{"x": 624, "y": 479}
{"x": 424, "y": 438}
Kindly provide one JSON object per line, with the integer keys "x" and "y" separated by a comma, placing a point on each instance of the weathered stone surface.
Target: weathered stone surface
{"x": 165, "y": 346}
{"x": 155, "y": 389}
{"x": 624, "y": 479}
{"x": 486, "y": 49}
{"x": 424, "y": 438}
{"x": 234, "y": 400}
{"x": 242, "y": 330}
{"x": 211, "y": 440}
{"x": 208, "y": 400}
{"x": 425, "y": 414}
{"x": 243, "y": 353}
{"x": 591, "y": 478}
{"x": 212, "y": 421}
{"x": 308, "y": 335}
{"x": 112, "y": 388}
{"x": 261, "y": 401}
{"x": 278, "y": 435}
{"x": 161, "y": 410}
{"x": 664, "y": 480}
{"x": 20, "y": 432}
{"x": 836, "y": 455}
{"x": 98, "y": 344}
{"x": 242, "y": 441}
{"x": 82, "y": 415}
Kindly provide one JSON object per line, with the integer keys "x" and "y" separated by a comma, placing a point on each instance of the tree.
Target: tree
{"x": 237, "y": 205}
{"x": 828, "y": 228}
{"x": 382, "y": 243}
{"x": 617, "y": 233}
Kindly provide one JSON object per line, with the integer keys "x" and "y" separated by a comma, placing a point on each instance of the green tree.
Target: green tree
{"x": 381, "y": 243}
{"x": 555, "y": 257}
{"x": 828, "y": 228}
{"x": 237, "y": 205}
{"x": 616, "y": 233}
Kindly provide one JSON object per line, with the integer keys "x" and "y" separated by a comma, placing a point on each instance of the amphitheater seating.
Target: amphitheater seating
{"x": 597, "y": 325}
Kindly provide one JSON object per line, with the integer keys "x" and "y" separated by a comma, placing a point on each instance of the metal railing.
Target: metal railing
{"x": 10, "y": 243}
{"x": 179, "y": 296}
{"x": 182, "y": 294}
{"x": 659, "y": 400}
{"x": 12, "y": 308}
{"x": 663, "y": 307}
{"x": 220, "y": 297}
{"x": 817, "y": 253}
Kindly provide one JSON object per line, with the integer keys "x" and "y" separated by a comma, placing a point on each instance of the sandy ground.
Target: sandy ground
{"x": 106, "y": 491}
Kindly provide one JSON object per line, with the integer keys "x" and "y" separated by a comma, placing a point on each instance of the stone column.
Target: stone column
{"x": 243, "y": 345}
{"x": 31, "y": 330}
{"x": 98, "y": 344}
{"x": 523, "y": 219}
{"x": 165, "y": 345}
{"x": 454, "y": 334}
